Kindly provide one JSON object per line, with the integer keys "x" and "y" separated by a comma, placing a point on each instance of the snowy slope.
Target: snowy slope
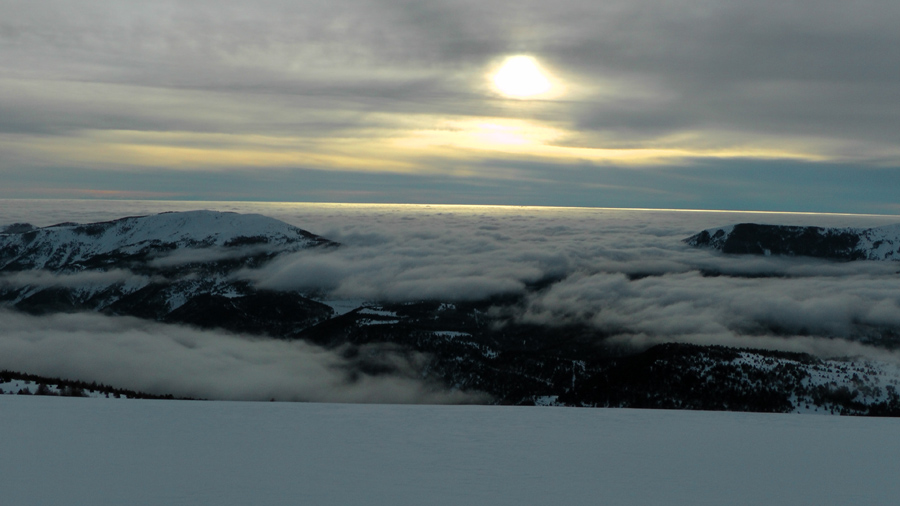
{"x": 102, "y": 452}
{"x": 14, "y": 386}
{"x": 176, "y": 267}
{"x": 879, "y": 243}
{"x": 71, "y": 245}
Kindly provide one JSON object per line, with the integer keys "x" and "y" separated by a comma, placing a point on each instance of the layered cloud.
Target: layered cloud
{"x": 392, "y": 86}
{"x": 405, "y": 252}
{"x": 44, "y": 279}
{"x": 830, "y": 315}
{"x": 626, "y": 274}
{"x": 169, "y": 359}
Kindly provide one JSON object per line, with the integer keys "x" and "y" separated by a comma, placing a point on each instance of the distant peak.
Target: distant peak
{"x": 879, "y": 243}
{"x": 73, "y": 244}
{"x": 17, "y": 228}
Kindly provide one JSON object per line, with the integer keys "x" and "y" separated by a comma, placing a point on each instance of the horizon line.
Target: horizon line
{"x": 413, "y": 204}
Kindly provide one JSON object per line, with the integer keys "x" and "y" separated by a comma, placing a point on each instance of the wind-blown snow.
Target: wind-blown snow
{"x": 108, "y": 453}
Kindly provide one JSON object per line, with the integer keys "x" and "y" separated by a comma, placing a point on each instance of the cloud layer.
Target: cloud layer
{"x": 170, "y": 359}
{"x": 640, "y": 70}
{"x": 827, "y": 316}
{"x": 45, "y": 279}
{"x": 626, "y": 274}
{"x": 395, "y": 87}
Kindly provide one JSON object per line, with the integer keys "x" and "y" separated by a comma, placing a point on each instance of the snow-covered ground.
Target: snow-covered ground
{"x": 13, "y": 386}
{"x": 101, "y": 452}
{"x": 342, "y": 306}
{"x": 872, "y": 381}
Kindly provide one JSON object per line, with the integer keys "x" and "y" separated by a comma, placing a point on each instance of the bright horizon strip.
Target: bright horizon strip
{"x": 395, "y": 154}
{"x": 475, "y": 206}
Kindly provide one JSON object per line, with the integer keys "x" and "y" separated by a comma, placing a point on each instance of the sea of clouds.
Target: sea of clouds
{"x": 171, "y": 359}
{"x": 626, "y": 273}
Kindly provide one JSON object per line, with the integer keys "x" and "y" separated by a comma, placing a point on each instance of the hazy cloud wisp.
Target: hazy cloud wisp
{"x": 170, "y": 359}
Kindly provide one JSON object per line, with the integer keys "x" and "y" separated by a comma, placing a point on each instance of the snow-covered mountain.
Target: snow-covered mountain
{"x": 174, "y": 267}
{"x": 879, "y": 243}
{"x": 74, "y": 247}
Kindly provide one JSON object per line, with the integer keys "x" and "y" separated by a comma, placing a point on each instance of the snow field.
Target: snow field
{"x": 97, "y": 452}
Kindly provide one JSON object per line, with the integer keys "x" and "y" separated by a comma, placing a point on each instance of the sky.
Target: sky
{"x": 762, "y": 105}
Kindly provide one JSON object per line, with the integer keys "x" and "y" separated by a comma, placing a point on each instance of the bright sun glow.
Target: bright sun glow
{"x": 521, "y": 77}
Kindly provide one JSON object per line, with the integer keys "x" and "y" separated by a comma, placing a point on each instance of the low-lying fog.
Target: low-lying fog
{"x": 626, "y": 272}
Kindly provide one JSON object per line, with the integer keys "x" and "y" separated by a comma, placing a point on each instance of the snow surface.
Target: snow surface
{"x": 341, "y": 306}
{"x": 377, "y": 312}
{"x": 881, "y": 243}
{"x": 451, "y": 333}
{"x": 102, "y": 452}
{"x": 368, "y": 322}
{"x": 12, "y": 387}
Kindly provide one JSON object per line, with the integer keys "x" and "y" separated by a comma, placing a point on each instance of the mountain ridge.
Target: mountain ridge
{"x": 73, "y": 246}
{"x": 151, "y": 266}
{"x": 844, "y": 244}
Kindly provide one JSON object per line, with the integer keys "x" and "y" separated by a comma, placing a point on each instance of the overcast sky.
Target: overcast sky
{"x": 758, "y": 105}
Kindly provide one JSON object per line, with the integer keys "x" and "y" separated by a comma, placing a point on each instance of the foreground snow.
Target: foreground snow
{"x": 102, "y": 452}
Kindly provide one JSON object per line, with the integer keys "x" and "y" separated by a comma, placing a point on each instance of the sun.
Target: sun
{"x": 521, "y": 77}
